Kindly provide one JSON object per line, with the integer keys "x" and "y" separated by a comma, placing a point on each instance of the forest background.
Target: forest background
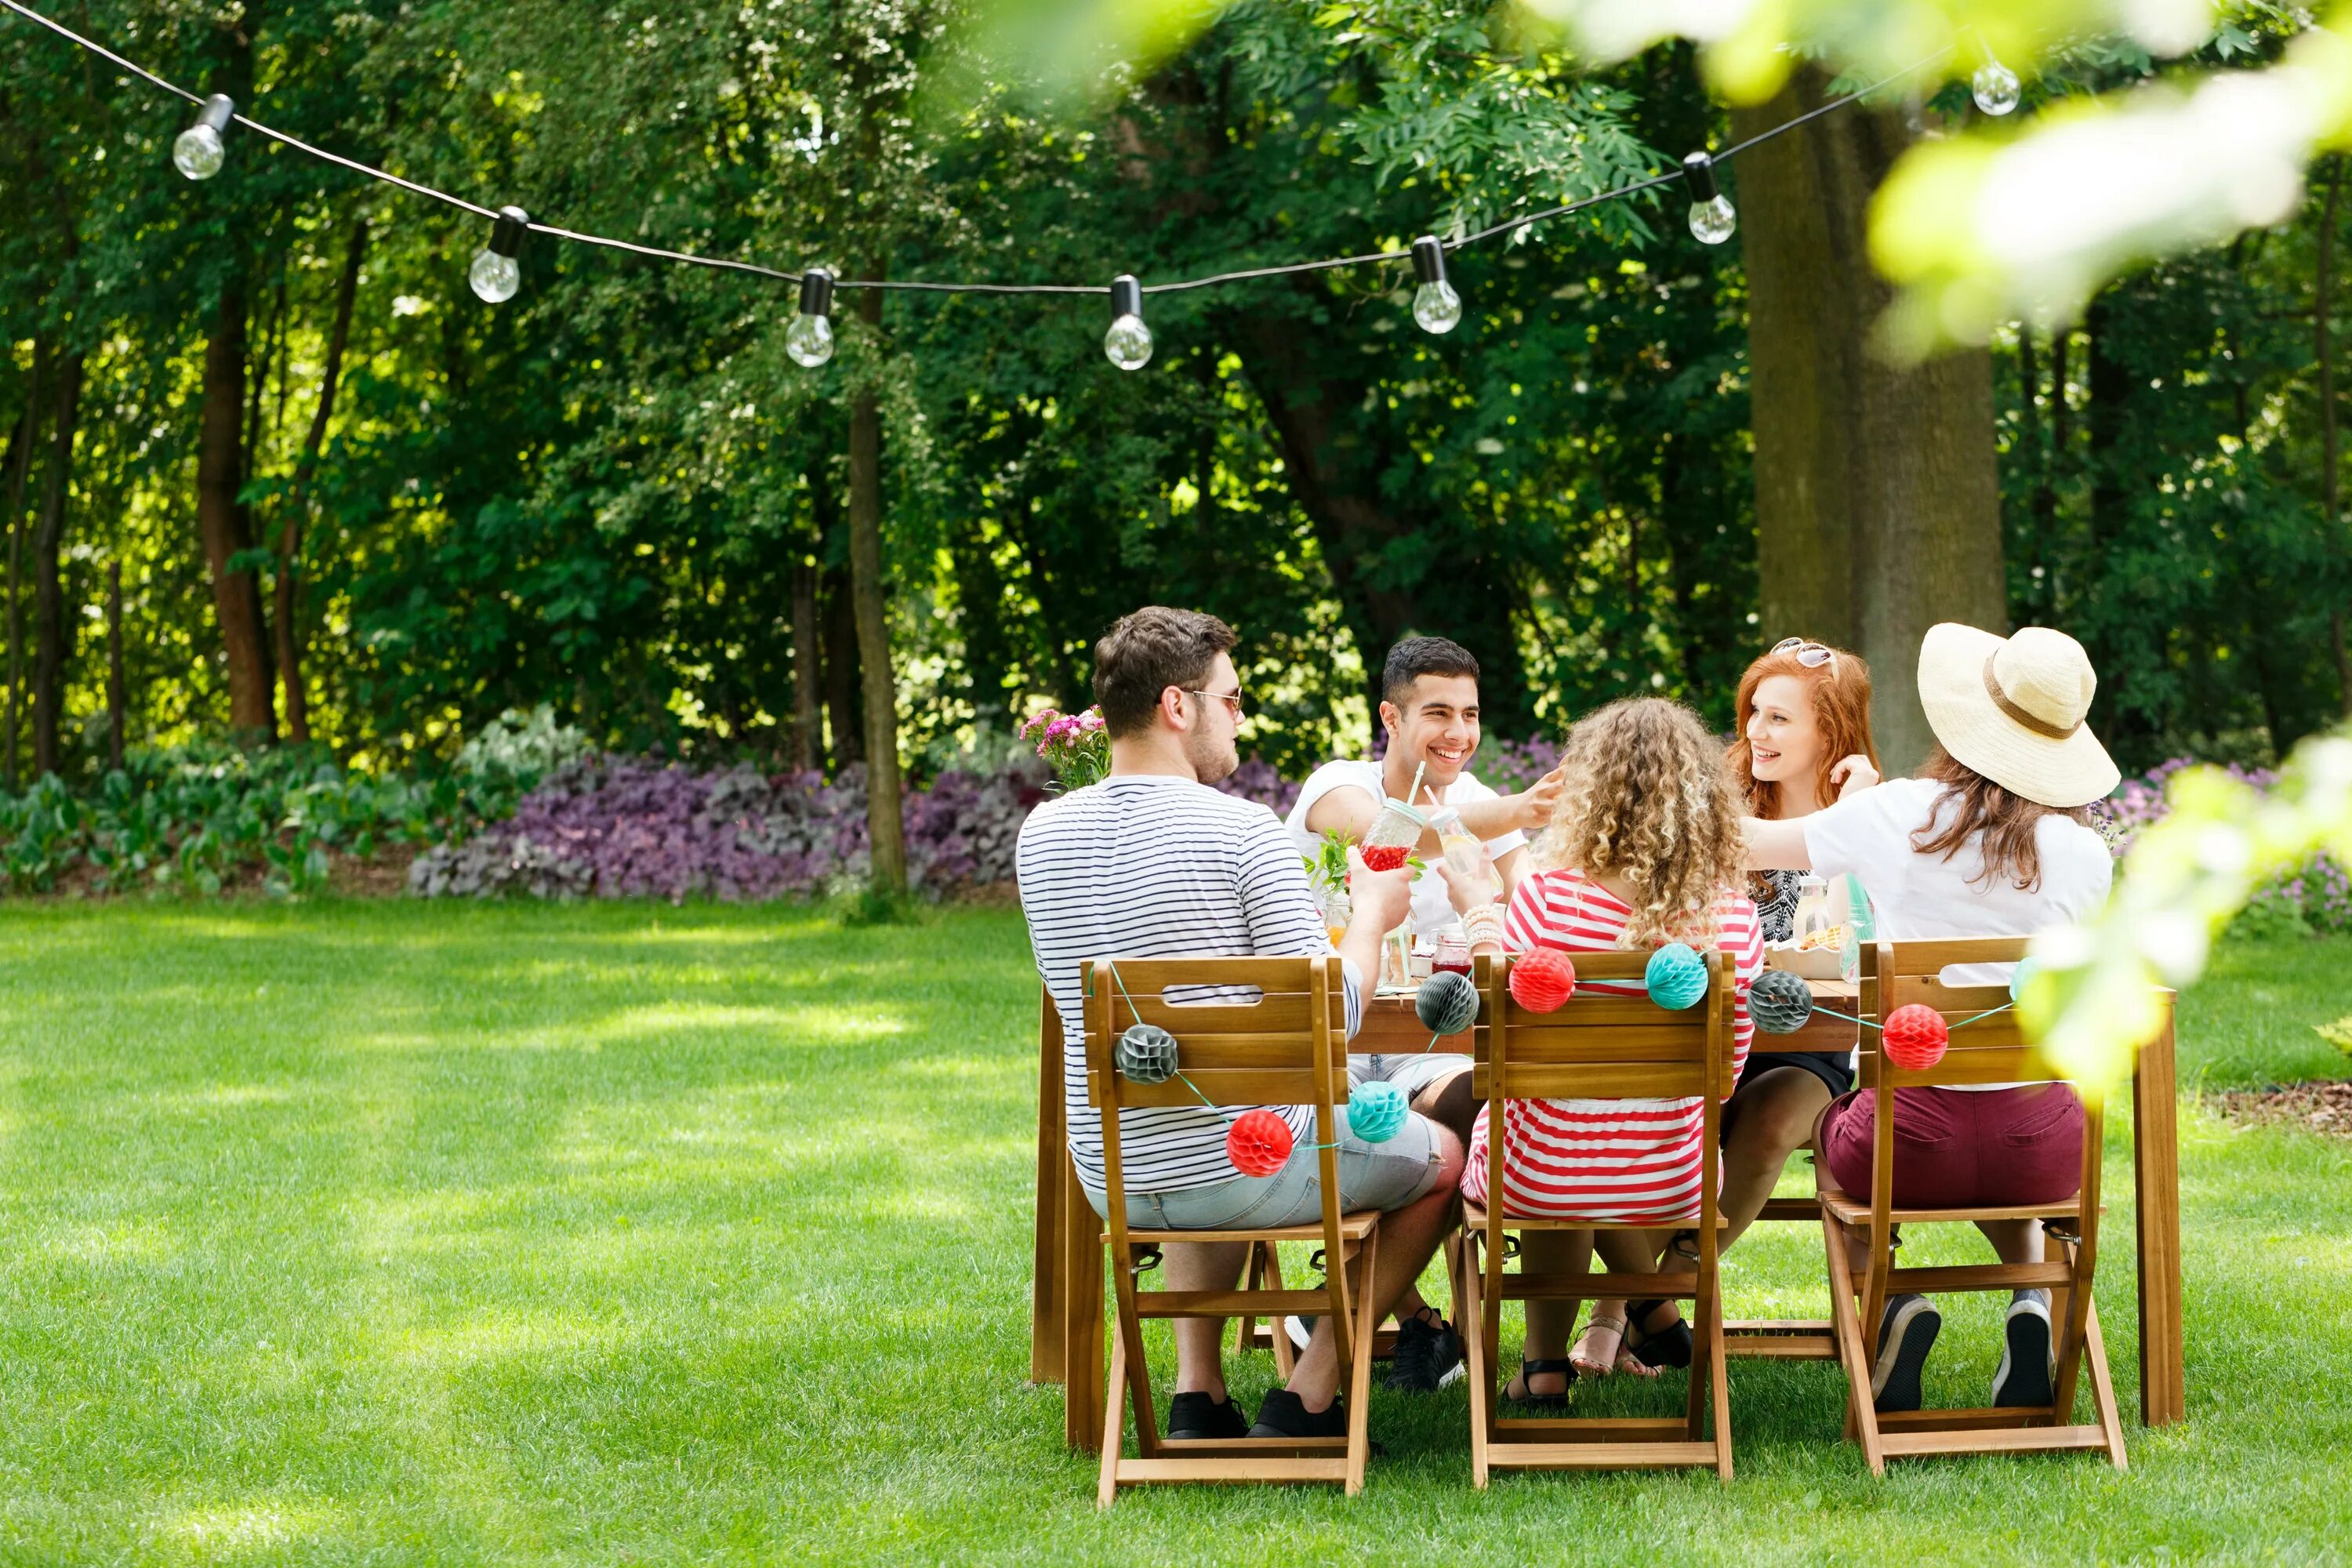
{"x": 273, "y": 474}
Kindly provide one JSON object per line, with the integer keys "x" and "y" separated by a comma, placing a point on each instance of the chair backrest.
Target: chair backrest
{"x": 1603, "y": 1045}
{"x": 1984, "y": 1050}
{"x": 1288, "y": 1047}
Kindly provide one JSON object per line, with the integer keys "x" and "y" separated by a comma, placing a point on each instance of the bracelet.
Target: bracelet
{"x": 1483, "y": 926}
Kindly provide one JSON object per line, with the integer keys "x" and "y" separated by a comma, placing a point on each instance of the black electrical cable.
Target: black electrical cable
{"x": 913, "y": 286}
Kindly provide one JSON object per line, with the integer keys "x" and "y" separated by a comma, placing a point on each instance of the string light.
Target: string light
{"x": 1435, "y": 305}
{"x": 1128, "y": 343}
{"x": 198, "y": 153}
{"x": 1711, "y": 217}
{"x": 497, "y": 272}
{"x": 1994, "y": 86}
{"x": 497, "y": 275}
{"x": 809, "y": 339}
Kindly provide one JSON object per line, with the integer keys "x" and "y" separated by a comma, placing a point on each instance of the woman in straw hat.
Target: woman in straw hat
{"x": 1992, "y": 839}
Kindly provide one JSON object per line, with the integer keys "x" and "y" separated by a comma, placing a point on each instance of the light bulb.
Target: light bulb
{"x": 1711, "y": 217}
{"x": 1994, "y": 86}
{"x": 494, "y": 277}
{"x": 1128, "y": 343}
{"x": 1435, "y": 306}
{"x": 497, "y": 273}
{"x": 809, "y": 339}
{"x": 199, "y": 153}
{"x": 1714, "y": 221}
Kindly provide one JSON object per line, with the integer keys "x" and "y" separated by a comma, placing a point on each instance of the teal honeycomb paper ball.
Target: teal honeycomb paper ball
{"x": 1676, "y": 976}
{"x": 1375, "y": 1111}
{"x": 1447, "y": 1004}
{"x": 1146, "y": 1054}
{"x": 1780, "y": 1002}
{"x": 2027, "y": 968}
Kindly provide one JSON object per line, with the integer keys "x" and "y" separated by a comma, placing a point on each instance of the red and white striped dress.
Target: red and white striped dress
{"x": 1606, "y": 1159}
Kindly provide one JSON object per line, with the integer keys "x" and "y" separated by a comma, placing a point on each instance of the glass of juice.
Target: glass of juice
{"x": 1461, "y": 848}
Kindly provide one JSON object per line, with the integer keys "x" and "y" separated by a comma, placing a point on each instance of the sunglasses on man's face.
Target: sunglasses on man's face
{"x": 1811, "y": 655}
{"x": 1232, "y": 700}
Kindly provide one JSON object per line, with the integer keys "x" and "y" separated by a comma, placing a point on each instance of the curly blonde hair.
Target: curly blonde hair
{"x": 1646, "y": 801}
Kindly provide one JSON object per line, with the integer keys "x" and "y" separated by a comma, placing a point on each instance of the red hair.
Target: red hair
{"x": 1841, "y": 691}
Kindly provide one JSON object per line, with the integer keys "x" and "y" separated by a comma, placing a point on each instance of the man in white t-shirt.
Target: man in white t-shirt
{"x": 1429, "y": 708}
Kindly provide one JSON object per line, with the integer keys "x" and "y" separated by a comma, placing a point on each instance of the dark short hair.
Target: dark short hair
{"x": 1416, "y": 657}
{"x": 1149, "y": 651}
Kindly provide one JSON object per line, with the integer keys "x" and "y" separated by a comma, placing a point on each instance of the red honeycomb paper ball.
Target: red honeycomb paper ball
{"x": 1258, "y": 1142}
{"x": 1542, "y": 980}
{"x": 1915, "y": 1038}
{"x": 1384, "y": 857}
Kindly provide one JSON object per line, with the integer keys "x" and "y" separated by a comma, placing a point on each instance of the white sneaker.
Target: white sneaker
{"x": 2028, "y": 1354}
{"x": 1300, "y": 1330}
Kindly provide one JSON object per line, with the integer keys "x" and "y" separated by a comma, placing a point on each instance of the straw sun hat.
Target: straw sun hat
{"x": 2012, "y": 709}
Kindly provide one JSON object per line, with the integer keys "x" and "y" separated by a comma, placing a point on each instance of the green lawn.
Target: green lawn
{"x": 394, "y": 1233}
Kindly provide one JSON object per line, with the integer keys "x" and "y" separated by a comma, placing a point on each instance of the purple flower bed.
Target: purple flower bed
{"x": 2315, "y": 896}
{"x": 620, "y": 827}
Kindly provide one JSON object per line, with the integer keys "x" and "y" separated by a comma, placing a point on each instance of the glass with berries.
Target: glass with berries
{"x": 1388, "y": 843}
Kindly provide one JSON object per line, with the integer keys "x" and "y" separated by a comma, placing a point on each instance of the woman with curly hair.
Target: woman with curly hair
{"x": 1645, "y": 849}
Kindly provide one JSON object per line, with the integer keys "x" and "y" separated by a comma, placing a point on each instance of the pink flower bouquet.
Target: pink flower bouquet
{"x": 1075, "y": 745}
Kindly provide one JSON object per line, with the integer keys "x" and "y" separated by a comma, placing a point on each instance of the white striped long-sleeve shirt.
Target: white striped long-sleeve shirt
{"x": 1152, "y": 866}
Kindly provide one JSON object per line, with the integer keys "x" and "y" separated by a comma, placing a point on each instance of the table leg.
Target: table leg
{"x": 1082, "y": 1316}
{"x": 1046, "y": 1292}
{"x": 2156, "y": 1148}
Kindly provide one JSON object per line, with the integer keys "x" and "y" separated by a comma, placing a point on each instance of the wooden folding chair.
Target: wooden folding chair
{"x": 1607, "y": 1046}
{"x": 1988, "y": 1050}
{"x": 1286, "y": 1049}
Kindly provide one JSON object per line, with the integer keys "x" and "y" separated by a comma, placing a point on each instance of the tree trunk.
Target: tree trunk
{"x": 117, "y": 709}
{"x": 50, "y": 629}
{"x": 1877, "y": 494}
{"x": 841, "y": 673}
{"x": 2331, "y": 521}
{"x": 220, "y": 468}
{"x": 807, "y": 753}
{"x": 20, "y": 469}
{"x": 285, "y": 620}
{"x": 1336, "y": 474}
{"x": 885, "y": 828}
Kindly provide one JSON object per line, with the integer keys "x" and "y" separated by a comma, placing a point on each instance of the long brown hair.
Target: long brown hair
{"x": 1646, "y": 800}
{"x": 1840, "y": 693}
{"x": 2007, "y": 820}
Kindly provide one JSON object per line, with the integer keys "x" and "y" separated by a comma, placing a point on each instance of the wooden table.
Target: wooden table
{"x": 1065, "y": 1342}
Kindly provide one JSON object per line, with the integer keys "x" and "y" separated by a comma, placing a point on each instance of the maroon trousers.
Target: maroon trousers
{"x": 1964, "y": 1148}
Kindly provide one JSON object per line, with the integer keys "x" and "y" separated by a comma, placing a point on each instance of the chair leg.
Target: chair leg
{"x": 1694, "y": 1400}
{"x": 1478, "y": 1358}
{"x": 2102, "y": 1388}
{"x": 1360, "y": 1371}
{"x": 1252, "y": 1277}
{"x": 2073, "y": 1334}
{"x": 1286, "y": 1360}
{"x": 1718, "y": 1372}
{"x": 1107, "y": 1483}
{"x": 1862, "y": 1421}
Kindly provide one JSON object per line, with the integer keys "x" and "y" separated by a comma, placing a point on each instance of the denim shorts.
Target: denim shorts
{"x": 1381, "y": 1177}
{"x": 1410, "y": 1071}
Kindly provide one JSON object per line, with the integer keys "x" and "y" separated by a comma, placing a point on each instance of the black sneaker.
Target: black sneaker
{"x": 2029, "y": 1363}
{"x": 1905, "y": 1334}
{"x": 1195, "y": 1417}
{"x": 1284, "y": 1415}
{"x": 1428, "y": 1354}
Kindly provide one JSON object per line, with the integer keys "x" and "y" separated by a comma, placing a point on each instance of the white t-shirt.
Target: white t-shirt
{"x": 1926, "y": 898}
{"x": 1430, "y": 909}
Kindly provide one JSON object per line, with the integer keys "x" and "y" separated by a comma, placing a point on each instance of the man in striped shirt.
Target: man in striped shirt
{"x": 1152, "y": 863}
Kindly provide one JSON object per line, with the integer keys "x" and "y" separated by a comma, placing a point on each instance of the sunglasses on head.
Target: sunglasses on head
{"x": 1811, "y": 655}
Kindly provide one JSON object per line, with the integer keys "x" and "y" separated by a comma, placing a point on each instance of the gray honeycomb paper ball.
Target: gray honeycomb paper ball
{"x": 1146, "y": 1054}
{"x": 1780, "y": 1002}
{"x": 1447, "y": 1003}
